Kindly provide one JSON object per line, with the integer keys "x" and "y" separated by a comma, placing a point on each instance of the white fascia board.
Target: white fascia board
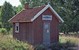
{"x": 56, "y": 14}
{"x": 47, "y": 6}
{"x": 39, "y": 13}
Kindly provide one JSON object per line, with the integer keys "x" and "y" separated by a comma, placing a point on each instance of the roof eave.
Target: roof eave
{"x": 15, "y": 16}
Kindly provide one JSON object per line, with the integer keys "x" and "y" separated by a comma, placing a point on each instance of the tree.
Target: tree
{"x": 34, "y": 3}
{"x": 0, "y": 18}
{"x": 76, "y": 15}
{"x": 6, "y": 13}
{"x": 0, "y": 12}
{"x": 17, "y": 9}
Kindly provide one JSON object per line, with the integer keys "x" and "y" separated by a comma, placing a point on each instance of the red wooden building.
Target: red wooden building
{"x": 36, "y": 25}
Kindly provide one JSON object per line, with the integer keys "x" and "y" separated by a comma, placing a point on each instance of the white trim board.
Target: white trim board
{"x": 45, "y": 8}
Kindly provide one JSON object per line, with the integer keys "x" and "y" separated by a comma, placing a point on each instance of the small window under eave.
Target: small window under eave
{"x": 17, "y": 27}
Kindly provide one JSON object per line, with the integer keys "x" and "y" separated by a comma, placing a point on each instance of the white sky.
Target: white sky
{"x": 13, "y": 2}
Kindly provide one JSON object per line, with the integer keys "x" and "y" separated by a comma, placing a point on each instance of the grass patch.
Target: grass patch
{"x": 65, "y": 43}
{"x": 8, "y": 43}
{"x": 64, "y": 39}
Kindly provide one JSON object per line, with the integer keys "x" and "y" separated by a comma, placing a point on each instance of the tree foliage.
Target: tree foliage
{"x": 71, "y": 16}
{"x": 6, "y": 13}
{"x": 34, "y": 3}
{"x": 17, "y": 9}
{"x": 0, "y": 10}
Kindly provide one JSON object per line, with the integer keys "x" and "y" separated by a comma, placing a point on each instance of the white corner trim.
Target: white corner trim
{"x": 47, "y": 6}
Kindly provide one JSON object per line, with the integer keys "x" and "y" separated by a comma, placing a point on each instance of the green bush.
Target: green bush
{"x": 40, "y": 47}
{"x": 0, "y": 25}
{"x": 62, "y": 46}
{"x": 13, "y": 45}
{"x": 11, "y": 31}
{"x": 3, "y": 31}
{"x": 8, "y": 43}
{"x": 55, "y": 46}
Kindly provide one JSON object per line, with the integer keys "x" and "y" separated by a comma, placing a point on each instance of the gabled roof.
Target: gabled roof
{"x": 29, "y": 15}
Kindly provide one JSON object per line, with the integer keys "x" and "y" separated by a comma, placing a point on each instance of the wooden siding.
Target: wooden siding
{"x": 38, "y": 28}
{"x": 25, "y": 32}
{"x": 32, "y": 32}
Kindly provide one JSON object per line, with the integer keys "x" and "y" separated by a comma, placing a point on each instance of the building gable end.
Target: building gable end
{"x": 44, "y": 9}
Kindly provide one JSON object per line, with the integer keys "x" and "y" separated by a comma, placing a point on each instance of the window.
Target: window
{"x": 17, "y": 27}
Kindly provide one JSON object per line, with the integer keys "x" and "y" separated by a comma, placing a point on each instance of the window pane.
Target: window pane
{"x": 16, "y": 27}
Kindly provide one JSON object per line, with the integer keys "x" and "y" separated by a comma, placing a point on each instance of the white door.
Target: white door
{"x": 46, "y": 33}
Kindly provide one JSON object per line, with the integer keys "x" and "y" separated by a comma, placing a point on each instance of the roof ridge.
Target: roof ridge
{"x": 39, "y": 6}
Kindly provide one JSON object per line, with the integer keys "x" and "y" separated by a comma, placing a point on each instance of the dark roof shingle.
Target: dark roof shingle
{"x": 26, "y": 15}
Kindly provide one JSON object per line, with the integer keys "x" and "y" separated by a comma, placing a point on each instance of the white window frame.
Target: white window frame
{"x": 17, "y": 29}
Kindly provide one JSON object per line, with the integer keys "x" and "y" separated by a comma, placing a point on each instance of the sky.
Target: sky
{"x": 12, "y": 2}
